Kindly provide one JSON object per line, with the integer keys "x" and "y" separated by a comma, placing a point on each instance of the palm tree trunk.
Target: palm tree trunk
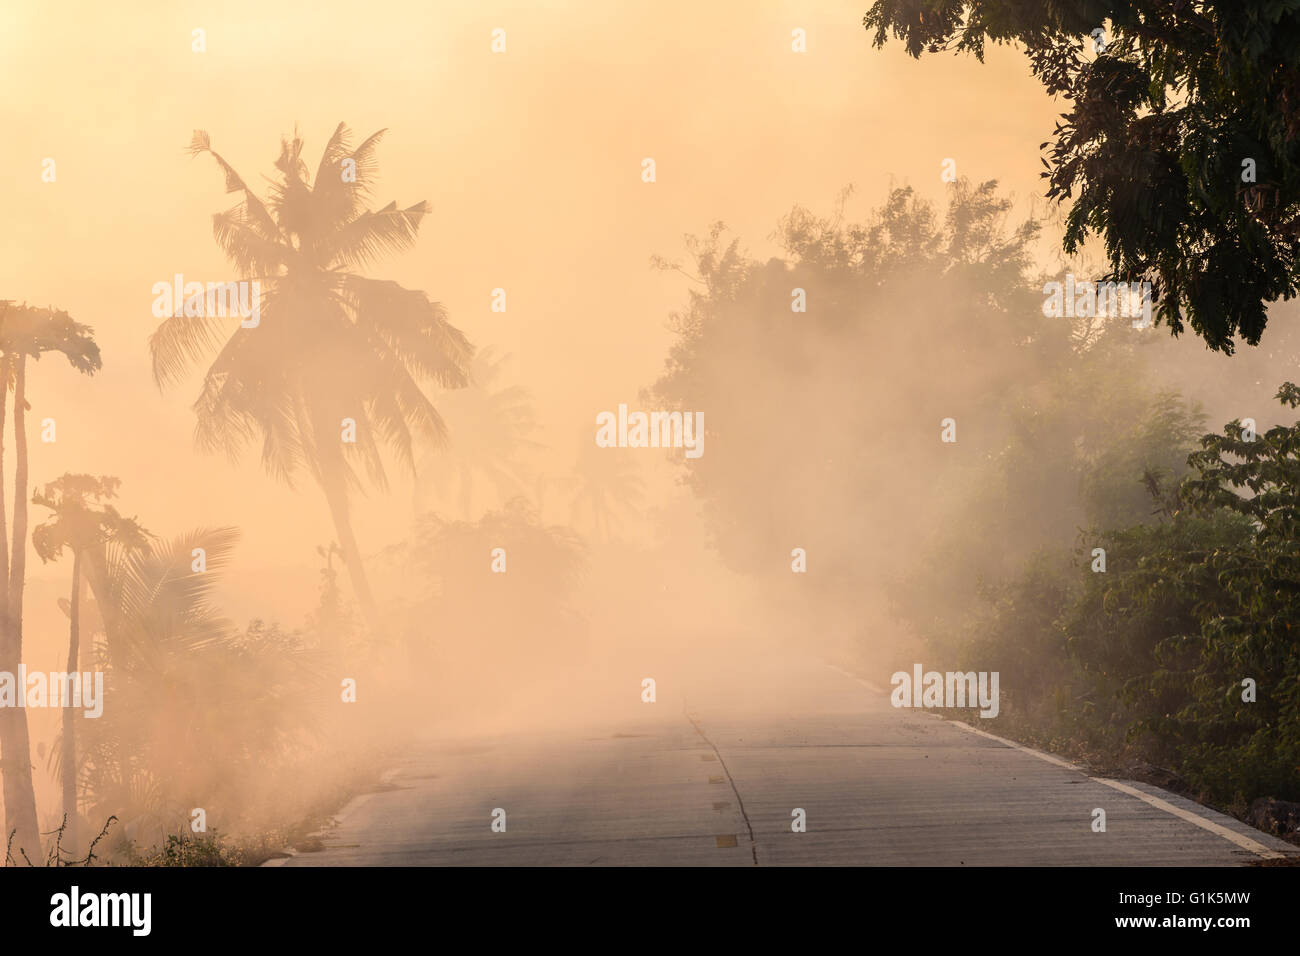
{"x": 4, "y": 528}
{"x": 69, "y": 761}
{"x": 336, "y": 494}
{"x": 19, "y": 796}
{"x": 95, "y": 574}
{"x": 15, "y": 743}
{"x": 18, "y": 563}
{"x": 85, "y": 648}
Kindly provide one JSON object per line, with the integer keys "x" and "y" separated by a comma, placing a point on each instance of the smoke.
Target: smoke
{"x": 527, "y": 578}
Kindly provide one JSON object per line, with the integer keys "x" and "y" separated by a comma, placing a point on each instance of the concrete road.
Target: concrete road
{"x": 713, "y": 771}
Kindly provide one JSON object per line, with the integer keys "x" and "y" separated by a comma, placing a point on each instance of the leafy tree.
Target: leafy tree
{"x": 824, "y": 425}
{"x": 331, "y": 344}
{"x": 1134, "y": 633}
{"x": 1083, "y": 454}
{"x": 198, "y": 703}
{"x": 82, "y": 521}
{"x": 510, "y": 623}
{"x": 1158, "y": 657}
{"x": 25, "y": 332}
{"x": 1252, "y": 632}
{"x": 1180, "y": 149}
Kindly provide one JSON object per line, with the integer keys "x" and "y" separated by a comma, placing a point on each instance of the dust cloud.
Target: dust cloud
{"x": 519, "y": 575}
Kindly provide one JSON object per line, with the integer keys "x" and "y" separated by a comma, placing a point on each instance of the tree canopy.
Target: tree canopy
{"x": 1180, "y": 149}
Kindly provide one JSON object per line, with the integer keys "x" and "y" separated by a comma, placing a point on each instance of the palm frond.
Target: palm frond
{"x": 258, "y": 214}
{"x": 251, "y": 252}
{"x": 181, "y": 342}
{"x": 415, "y": 328}
{"x": 373, "y": 235}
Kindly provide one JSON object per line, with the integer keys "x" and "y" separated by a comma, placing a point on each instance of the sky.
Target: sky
{"x": 531, "y": 159}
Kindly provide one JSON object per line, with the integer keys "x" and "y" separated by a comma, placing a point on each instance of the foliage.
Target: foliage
{"x": 55, "y": 853}
{"x": 607, "y": 490}
{"x": 490, "y": 430}
{"x": 194, "y": 703}
{"x": 821, "y": 419}
{"x": 331, "y": 344}
{"x": 82, "y": 517}
{"x": 1153, "y": 150}
{"x": 28, "y": 330}
{"x": 1154, "y": 653}
{"x": 332, "y": 350}
{"x": 505, "y": 623}
{"x": 189, "y": 849}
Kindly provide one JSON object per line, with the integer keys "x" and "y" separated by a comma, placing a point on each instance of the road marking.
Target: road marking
{"x": 1021, "y": 747}
{"x": 1245, "y": 842}
{"x": 865, "y": 683}
{"x": 708, "y": 757}
{"x": 726, "y": 841}
{"x": 1218, "y": 829}
{"x": 740, "y": 801}
{"x": 721, "y": 805}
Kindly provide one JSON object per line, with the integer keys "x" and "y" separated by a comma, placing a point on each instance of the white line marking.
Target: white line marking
{"x": 1021, "y": 747}
{"x": 1245, "y": 842}
{"x": 865, "y": 683}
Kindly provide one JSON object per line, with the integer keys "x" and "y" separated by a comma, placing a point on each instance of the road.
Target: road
{"x": 712, "y": 771}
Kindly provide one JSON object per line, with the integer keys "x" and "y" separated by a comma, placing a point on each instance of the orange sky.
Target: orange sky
{"x": 531, "y": 160}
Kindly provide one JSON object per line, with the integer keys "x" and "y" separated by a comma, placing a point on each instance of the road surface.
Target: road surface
{"x": 712, "y": 772}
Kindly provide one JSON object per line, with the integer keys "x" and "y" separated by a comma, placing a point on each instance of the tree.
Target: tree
{"x": 331, "y": 345}
{"x": 825, "y": 423}
{"x": 82, "y": 521}
{"x": 512, "y": 623}
{"x": 1184, "y": 652}
{"x": 1182, "y": 144}
{"x": 197, "y": 703}
{"x": 607, "y": 488}
{"x": 490, "y": 431}
{"x": 25, "y": 332}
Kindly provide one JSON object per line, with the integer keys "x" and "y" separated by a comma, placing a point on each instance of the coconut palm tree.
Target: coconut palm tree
{"x": 608, "y": 489}
{"x": 25, "y": 332}
{"x": 331, "y": 345}
{"x": 490, "y": 429}
{"x": 197, "y": 701}
{"x": 81, "y": 522}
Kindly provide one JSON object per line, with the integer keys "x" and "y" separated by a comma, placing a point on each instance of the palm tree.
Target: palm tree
{"x": 82, "y": 522}
{"x": 330, "y": 345}
{"x": 608, "y": 488}
{"x": 188, "y": 719}
{"x": 490, "y": 429}
{"x": 25, "y": 332}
